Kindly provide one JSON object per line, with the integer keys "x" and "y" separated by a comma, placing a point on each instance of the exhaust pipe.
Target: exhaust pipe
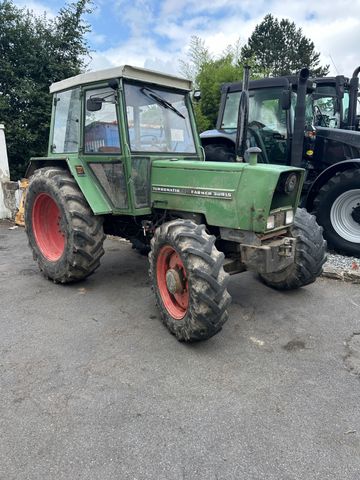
{"x": 353, "y": 93}
{"x": 299, "y": 122}
{"x": 242, "y": 120}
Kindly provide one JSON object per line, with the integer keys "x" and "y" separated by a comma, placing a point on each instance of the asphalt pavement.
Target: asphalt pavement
{"x": 92, "y": 385}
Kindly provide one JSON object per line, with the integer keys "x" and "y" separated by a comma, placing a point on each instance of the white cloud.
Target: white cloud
{"x": 37, "y": 7}
{"x": 334, "y": 27}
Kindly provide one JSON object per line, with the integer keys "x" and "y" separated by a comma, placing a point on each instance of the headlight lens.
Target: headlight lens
{"x": 270, "y": 222}
{"x": 289, "y": 217}
{"x": 290, "y": 183}
{"x": 280, "y": 219}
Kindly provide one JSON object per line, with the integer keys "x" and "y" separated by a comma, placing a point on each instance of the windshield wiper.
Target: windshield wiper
{"x": 161, "y": 101}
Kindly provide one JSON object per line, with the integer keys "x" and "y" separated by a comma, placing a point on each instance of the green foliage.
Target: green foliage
{"x": 208, "y": 74}
{"x": 152, "y": 115}
{"x": 211, "y": 76}
{"x": 279, "y": 48}
{"x": 34, "y": 52}
{"x": 198, "y": 54}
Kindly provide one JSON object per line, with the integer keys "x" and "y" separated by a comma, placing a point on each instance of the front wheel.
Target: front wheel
{"x": 337, "y": 209}
{"x": 310, "y": 255}
{"x": 64, "y": 235}
{"x": 189, "y": 281}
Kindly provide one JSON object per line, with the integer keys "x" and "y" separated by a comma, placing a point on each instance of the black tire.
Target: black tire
{"x": 72, "y": 252}
{"x": 310, "y": 255}
{"x": 339, "y": 218}
{"x": 219, "y": 153}
{"x": 204, "y": 280}
{"x": 140, "y": 245}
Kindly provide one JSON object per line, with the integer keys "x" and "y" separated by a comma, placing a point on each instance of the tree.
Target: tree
{"x": 211, "y": 76}
{"x": 279, "y": 48}
{"x": 198, "y": 54}
{"x": 208, "y": 74}
{"x": 34, "y": 52}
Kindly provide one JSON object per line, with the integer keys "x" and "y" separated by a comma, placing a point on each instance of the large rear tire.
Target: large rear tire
{"x": 337, "y": 209}
{"x": 189, "y": 281}
{"x": 310, "y": 255}
{"x": 64, "y": 235}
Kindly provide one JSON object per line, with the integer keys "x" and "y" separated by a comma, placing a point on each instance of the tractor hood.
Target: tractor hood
{"x": 218, "y": 190}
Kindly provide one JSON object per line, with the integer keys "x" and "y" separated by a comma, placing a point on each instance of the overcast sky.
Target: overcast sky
{"x": 155, "y": 34}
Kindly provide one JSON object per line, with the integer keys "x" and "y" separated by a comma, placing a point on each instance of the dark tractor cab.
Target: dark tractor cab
{"x": 271, "y": 118}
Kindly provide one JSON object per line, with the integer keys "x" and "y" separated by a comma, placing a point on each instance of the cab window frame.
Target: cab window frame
{"x": 116, "y": 93}
{"x": 53, "y": 148}
{"x": 188, "y": 120}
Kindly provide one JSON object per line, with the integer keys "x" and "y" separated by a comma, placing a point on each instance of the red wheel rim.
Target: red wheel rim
{"x": 46, "y": 217}
{"x": 176, "y": 303}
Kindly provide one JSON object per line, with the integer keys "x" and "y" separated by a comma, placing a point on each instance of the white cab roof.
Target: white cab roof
{"x": 125, "y": 71}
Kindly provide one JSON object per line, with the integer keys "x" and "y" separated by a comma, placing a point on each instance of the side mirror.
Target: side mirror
{"x": 197, "y": 95}
{"x": 94, "y": 104}
{"x": 285, "y": 99}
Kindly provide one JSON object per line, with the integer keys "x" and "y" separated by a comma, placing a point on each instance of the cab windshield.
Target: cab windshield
{"x": 267, "y": 122}
{"x": 322, "y": 107}
{"x": 158, "y": 120}
{"x": 264, "y": 110}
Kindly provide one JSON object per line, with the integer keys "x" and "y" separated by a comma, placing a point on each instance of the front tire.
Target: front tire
{"x": 337, "y": 209}
{"x": 64, "y": 235}
{"x": 188, "y": 280}
{"x": 310, "y": 255}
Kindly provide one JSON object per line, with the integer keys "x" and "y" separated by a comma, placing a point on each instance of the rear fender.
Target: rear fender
{"x": 218, "y": 137}
{"x": 92, "y": 192}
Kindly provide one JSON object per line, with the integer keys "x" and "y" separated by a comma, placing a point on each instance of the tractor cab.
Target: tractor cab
{"x": 113, "y": 129}
{"x": 272, "y": 109}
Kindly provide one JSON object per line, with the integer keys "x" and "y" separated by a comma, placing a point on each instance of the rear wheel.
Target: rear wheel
{"x": 189, "y": 281}
{"x": 310, "y": 255}
{"x": 64, "y": 235}
{"x": 337, "y": 209}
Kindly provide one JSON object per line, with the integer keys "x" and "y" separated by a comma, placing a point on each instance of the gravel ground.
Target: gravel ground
{"x": 341, "y": 262}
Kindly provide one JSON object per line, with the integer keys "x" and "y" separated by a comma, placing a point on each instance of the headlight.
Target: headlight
{"x": 289, "y": 217}
{"x": 280, "y": 219}
{"x": 290, "y": 183}
{"x": 270, "y": 224}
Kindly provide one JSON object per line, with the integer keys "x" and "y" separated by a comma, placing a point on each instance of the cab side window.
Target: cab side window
{"x": 101, "y": 123}
{"x": 66, "y": 122}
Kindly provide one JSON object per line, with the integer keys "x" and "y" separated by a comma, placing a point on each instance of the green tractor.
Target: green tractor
{"x": 124, "y": 159}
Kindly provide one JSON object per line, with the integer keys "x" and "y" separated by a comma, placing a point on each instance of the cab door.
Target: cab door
{"x": 102, "y": 148}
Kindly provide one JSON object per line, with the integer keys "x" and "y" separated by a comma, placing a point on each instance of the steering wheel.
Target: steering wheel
{"x": 154, "y": 140}
{"x": 256, "y": 124}
{"x": 259, "y": 143}
{"x": 323, "y": 119}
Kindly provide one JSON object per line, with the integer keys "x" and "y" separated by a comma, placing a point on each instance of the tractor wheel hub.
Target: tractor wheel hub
{"x": 356, "y": 214}
{"x": 173, "y": 281}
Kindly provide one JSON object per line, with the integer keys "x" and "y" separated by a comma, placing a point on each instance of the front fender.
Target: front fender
{"x": 210, "y": 135}
{"x": 324, "y": 176}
